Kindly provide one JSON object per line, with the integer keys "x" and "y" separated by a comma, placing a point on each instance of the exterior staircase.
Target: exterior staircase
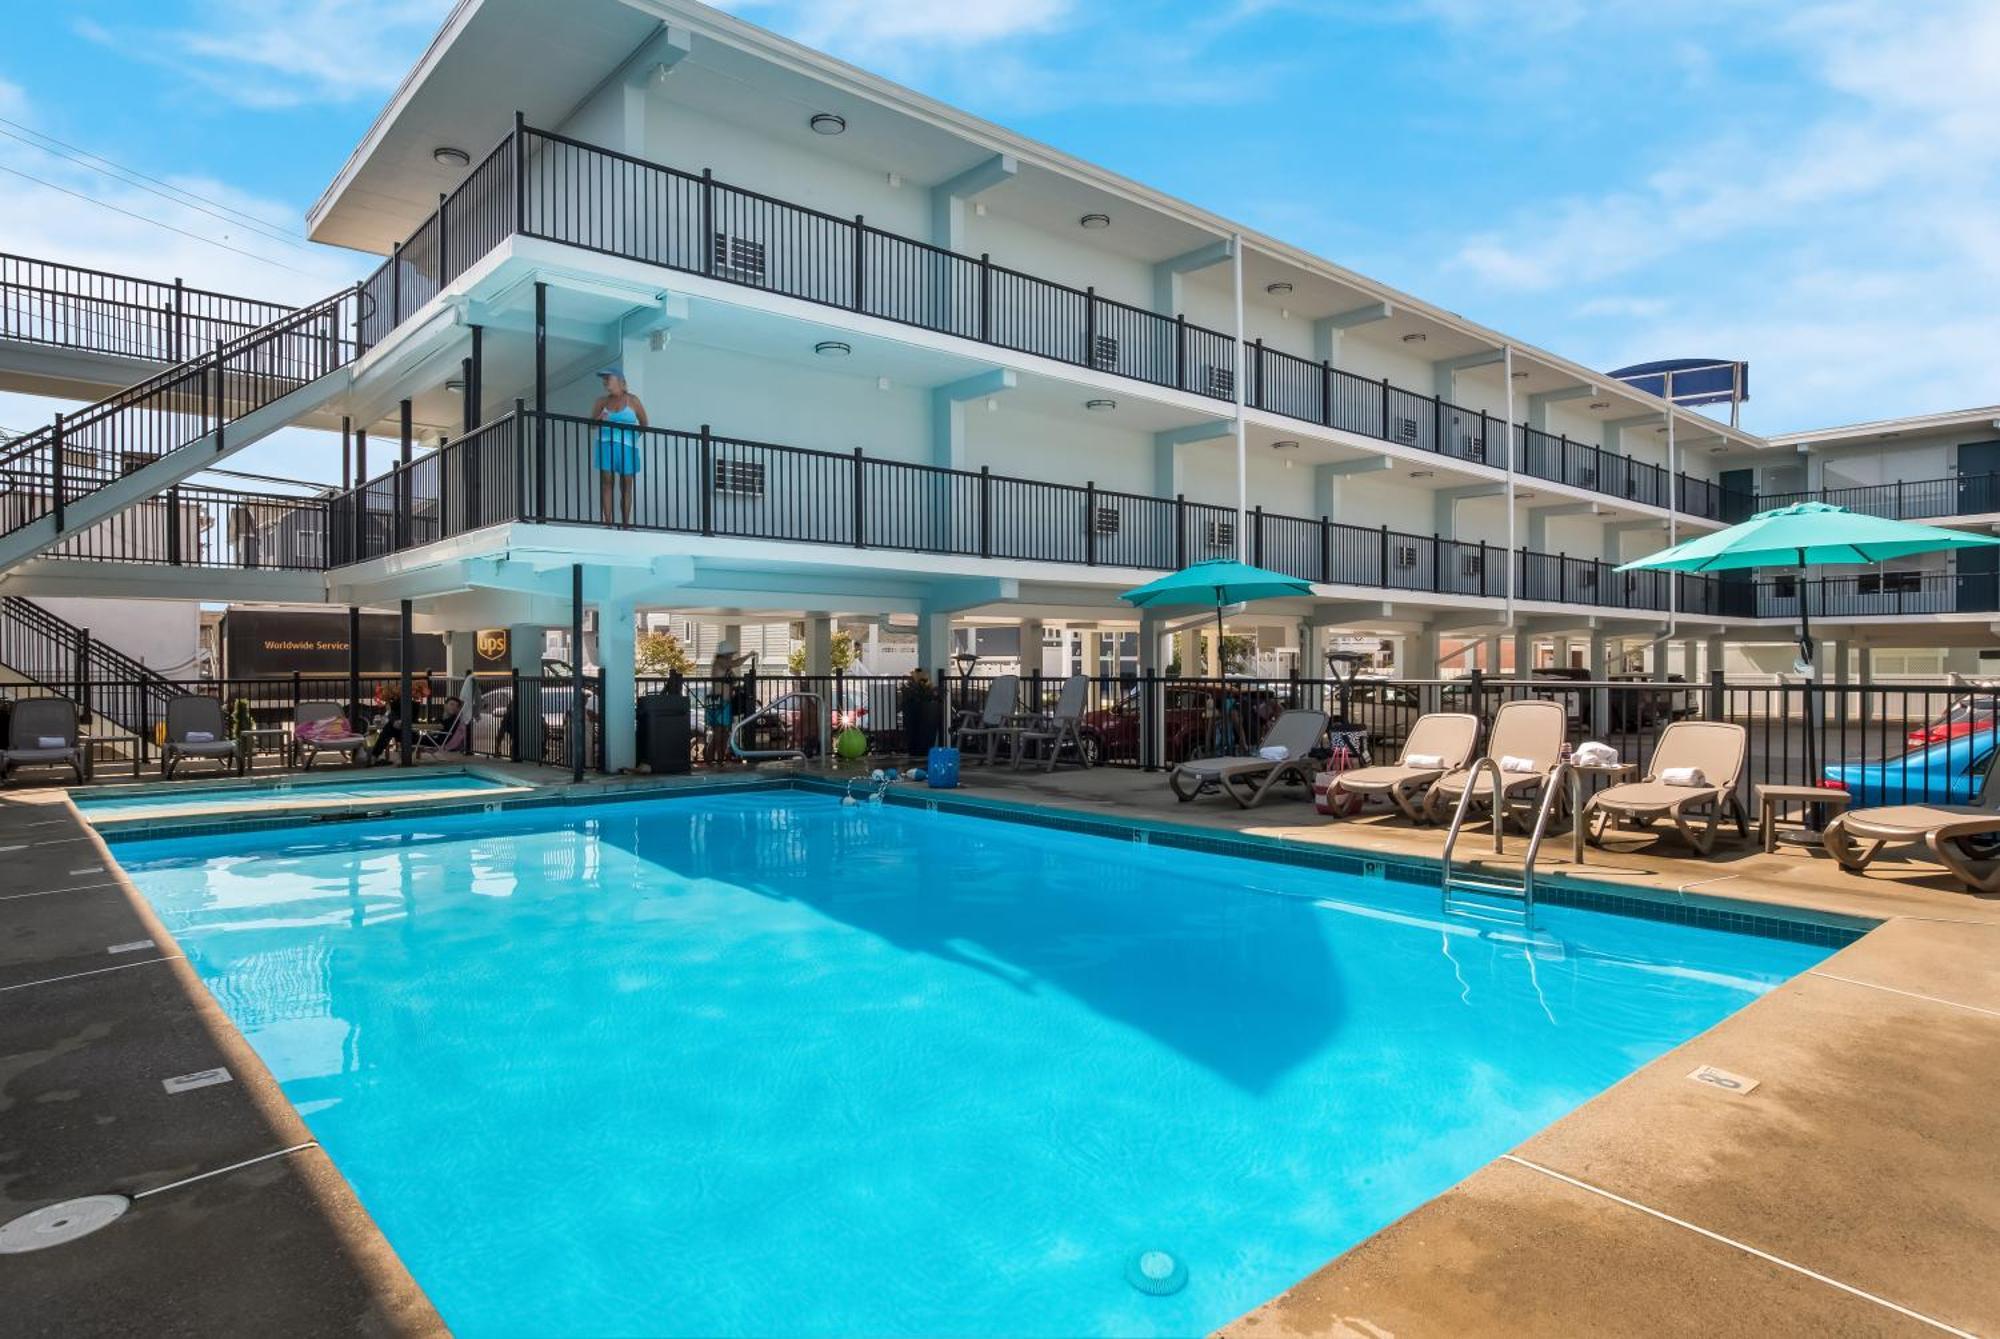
{"x": 51, "y": 653}
{"x": 90, "y": 465}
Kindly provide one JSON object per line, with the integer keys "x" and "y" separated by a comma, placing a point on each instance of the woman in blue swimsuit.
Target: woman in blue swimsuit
{"x": 618, "y": 411}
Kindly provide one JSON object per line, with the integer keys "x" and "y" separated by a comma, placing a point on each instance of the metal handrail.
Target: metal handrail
{"x": 1465, "y": 804}
{"x": 736, "y": 730}
{"x": 1551, "y": 789}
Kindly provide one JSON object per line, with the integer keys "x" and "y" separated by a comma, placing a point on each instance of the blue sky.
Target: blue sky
{"x": 1808, "y": 185}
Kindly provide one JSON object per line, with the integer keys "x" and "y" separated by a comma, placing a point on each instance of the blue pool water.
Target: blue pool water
{"x": 216, "y": 799}
{"x": 761, "y": 1064}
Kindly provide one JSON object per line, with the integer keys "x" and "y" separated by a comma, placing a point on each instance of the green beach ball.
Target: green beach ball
{"x": 850, "y": 743}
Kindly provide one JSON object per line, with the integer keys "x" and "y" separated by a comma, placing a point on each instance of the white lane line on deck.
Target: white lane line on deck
{"x": 1766, "y": 1256}
{"x": 1910, "y": 994}
{"x": 73, "y": 888}
{"x": 100, "y": 971}
{"x": 220, "y": 1171}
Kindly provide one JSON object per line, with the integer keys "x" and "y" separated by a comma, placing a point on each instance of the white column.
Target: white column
{"x": 934, "y": 641}
{"x": 819, "y": 646}
{"x": 1418, "y": 655}
{"x": 1524, "y": 652}
{"x": 1492, "y": 665}
{"x": 460, "y": 651}
{"x": 1836, "y": 656}
{"x": 620, "y": 705}
{"x": 1562, "y": 652}
{"x": 1211, "y": 665}
{"x": 1715, "y": 656}
{"x": 1031, "y": 645}
{"x": 1600, "y": 698}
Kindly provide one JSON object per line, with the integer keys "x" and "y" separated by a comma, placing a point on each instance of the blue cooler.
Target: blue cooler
{"x": 941, "y": 769}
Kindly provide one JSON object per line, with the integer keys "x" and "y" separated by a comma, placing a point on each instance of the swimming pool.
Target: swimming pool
{"x": 168, "y": 798}
{"x": 758, "y": 1063}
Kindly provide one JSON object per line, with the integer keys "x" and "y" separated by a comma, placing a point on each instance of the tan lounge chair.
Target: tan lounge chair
{"x": 196, "y": 729}
{"x": 1858, "y": 836}
{"x": 1531, "y": 730}
{"x": 1248, "y": 780}
{"x": 1448, "y": 736}
{"x": 42, "y": 732}
{"x": 1716, "y": 749}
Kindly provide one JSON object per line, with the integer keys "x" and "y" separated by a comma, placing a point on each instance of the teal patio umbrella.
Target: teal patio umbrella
{"x": 1806, "y": 534}
{"x": 1216, "y": 582}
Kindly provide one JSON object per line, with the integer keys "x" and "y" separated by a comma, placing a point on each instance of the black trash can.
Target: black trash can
{"x": 666, "y": 740}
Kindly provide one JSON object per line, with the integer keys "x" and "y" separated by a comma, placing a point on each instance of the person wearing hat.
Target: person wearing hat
{"x": 617, "y": 446}
{"x": 722, "y": 704}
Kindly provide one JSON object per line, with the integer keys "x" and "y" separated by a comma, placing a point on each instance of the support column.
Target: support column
{"x": 1155, "y": 646}
{"x": 1417, "y": 655}
{"x": 617, "y": 662}
{"x": 461, "y": 649}
{"x": 1690, "y": 667}
{"x": 1600, "y": 698}
{"x": 934, "y": 641}
{"x": 1562, "y": 652}
{"x": 1714, "y": 655}
{"x": 819, "y": 646}
{"x": 524, "y": 658}
{"x": 353, "y": 704}
{"x": 1492, "y": 654}
{"x": 406, "y": 651}
{"x": 1524, "y": 653}
{"x": 1836, "y": 656}
{"x": 1031, "y": 645}
{"x": 579, "y": 725}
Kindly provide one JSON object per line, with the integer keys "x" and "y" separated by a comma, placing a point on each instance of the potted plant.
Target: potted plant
{"x": 921, "y": 708}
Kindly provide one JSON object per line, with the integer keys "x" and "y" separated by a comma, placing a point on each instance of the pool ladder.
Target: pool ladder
{"x": 1502, "y": 898}
{"x": 793, "y": 754}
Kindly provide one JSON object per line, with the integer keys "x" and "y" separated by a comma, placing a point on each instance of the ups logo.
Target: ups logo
{"x": 492, "y": 643}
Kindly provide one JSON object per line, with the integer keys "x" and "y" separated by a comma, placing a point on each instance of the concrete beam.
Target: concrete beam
{"x": 654, "y": 61}
{"x": 1539, "y": 402}
{"x": 948, "y": 401}
{"x": 1615, "y": 427}
{"x": 1167, "y": 273}
{"x": 1444, "y": 503}
{"x": 1538, "y": 520}
{"x": 1328, "y": 329}
{"x": 1444, "y": 372}
{"x": 1327, "y": 479}
{"x": 949, "y": 198}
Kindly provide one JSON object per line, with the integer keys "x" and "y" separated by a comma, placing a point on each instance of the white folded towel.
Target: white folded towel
{"x": 51, "y": 742}
{"x": 1591, "y": 753}
{"x": 1510, "y": 763}
{"x": 1682, "y": 776}
{"x": 1274, "y": 753}
{"x": 1423, "y": 760}
{"x": 199, "y": 737}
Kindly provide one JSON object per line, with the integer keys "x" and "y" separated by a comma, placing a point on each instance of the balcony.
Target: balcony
{"x": 546, "y": 186}
{"x": 1905, "y": 500}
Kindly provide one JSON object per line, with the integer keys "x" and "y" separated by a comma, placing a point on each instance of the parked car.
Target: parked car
{"x": 1197, "y": 724}
{"x": 1948, "y": 772}
{"x": 1963, "y": 717}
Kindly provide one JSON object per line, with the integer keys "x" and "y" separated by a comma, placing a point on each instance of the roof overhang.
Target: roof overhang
{"x": 1882, "y": 431}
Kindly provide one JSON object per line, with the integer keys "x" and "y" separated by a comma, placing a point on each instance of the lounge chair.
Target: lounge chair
{"x": 42, "y": 733}
{"x": 312, "y": 736}
{"x": 195, "y": 729}
{"x": 1856, "y": 837}
{"x": 1526, "y": 742}
{"x": 1440, "y": 742}
{"x": 1711, "y": 750}
{"x": 1052, "y": 729}
{"x": 1248, "y": 780}
{"x": 994, "y": 720}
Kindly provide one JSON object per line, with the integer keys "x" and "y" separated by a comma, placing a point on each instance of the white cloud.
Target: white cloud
{"x": 879, "y": 26}
{"x": 303, "y": 52}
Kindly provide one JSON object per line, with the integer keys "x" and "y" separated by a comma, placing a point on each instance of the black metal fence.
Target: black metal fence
{"x": 72, "y": 307}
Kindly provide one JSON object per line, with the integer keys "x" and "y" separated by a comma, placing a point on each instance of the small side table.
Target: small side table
{"x": 249, "y": 743}
{"x": 92, "y": 743}
{"x": 1593, "y": 778}
{"x": 1772, "y": 799}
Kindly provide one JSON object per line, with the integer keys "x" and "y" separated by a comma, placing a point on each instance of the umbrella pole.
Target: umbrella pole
{"x": 1812, "y": 683}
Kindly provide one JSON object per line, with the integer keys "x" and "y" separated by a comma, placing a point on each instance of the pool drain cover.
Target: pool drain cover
{"x": 1156, "y": 1273}
{"x": 57, "y": 1224}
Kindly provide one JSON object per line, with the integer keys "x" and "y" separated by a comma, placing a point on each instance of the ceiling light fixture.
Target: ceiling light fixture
{"x": 1278, "y": 289}
{"x": 828, "y": 123}
{"x": 1287, "y": 445}
{"x": 1094, "y": 221}
{"x": 456, "y": 385}
{"x": 1422, "y": 474}
{"x": 1520, "y": 376}
{"x": 447, "y": 156}
{"x": 1415, "y": 337}
{"x": 1100, "y": 406}
{"x": 832, "y": 348}
{"x": 1600, "y": 404}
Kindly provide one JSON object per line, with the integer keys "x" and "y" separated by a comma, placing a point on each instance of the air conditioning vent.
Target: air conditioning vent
{"x": 1471, "y": 564}
{"x": 1406, "y": 555}
{"x": 1106, "y": 521}
{"x": 1221, "y": 534}
{"x": 1586, "y": 478}
{"x": 1104, "y": 353}
{"x": 1474, "y": 446}
{"x": 1219, "y": 382}
{"x": 745, "y": 478}
{"x": 1406, "y": 430}
{"x": 739, "y": 258}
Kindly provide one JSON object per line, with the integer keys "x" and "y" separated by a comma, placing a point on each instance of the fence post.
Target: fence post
{"x": 860, "y": 500}
{"x": 1090, "y": 327}
{"x": 520, "y": 173}
{"x": 706, "y": 481}
{"x": 1485, "y": 438}
{"x": 1482, "y": 567}
{"x": 178, "y": 340}
{"x": 1382, "y": 578}
{"x": 1180, "y": 350}
{"x": 1180, "y": 531}
{"x": 1713, "y": 708}
{"x": 1385, "y": 411}
{"x": 860, "y": 254}
{"x": 1257, "y": 362}
{"x": 708, "y": 221}
{"x": 442, "y": 268}
{"x": 145, "y": 725}
{"x": 57, "y": 484}
{"x": 1899, "y": 499}
{"x": 1090, "y": 523}
{"x": 221, "y": 412}
{"x": 396, "y": 286}
{"x": 514, "y": 705}
{"x": 1437, "y": 561}
{"x": 295, "y": 694}
{"x": 1257, "y": 534}
{"x": 83, "y": 673}
{"x": 1325, "y": 550}
{"x": 985, "y": 298}
{"x": 1562, "y": 578}
{"x": 1326, "y": 393}
{"x": 985, "y": 511}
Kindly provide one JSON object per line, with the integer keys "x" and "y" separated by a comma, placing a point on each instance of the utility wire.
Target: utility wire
{"x": 116, "y": 209}
{"x": 132, "y": 177}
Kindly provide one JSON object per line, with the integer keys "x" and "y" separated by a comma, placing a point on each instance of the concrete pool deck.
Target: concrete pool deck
{"x": 1855, "y": 1190}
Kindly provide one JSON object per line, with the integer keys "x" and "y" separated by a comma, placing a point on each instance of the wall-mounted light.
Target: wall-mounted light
{"x": 1094, "y": 221}
{"x": 446, "y": 156}
{"x": 881, "y": 383}
{"x": 992, "y": 405}
{"x": 1415, "y": 337}
{"x": 828, "y": 123}
{"x": 832, "y": 348}
{"x": 1100, "y": 406}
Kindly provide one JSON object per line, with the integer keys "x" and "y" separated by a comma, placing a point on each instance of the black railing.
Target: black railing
{"x": 71, "y": 307}
{"x": 195, "y": 525}
{"x": 61, "y": 657}
{"x": 539, "y": 184}
{"x": 1905, "y": 499}
{"x": 51, "y": 469}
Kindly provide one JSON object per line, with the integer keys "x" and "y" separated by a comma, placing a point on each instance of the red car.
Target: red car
{"x": 1962, "y": 719}
{"x": 1192, "y": 722}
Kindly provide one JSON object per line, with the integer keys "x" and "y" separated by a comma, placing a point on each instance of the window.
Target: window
{"x": 739, "y": 257}
{"x": 1104, "y": 353}
{"x": 1106, "y": 521}
{"x": 1889, "y": 583}
{"x": 1785, "y": 588}
{"x": 742, "y": 477}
